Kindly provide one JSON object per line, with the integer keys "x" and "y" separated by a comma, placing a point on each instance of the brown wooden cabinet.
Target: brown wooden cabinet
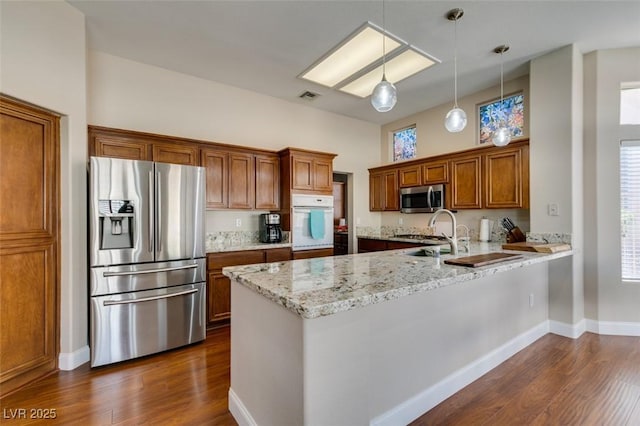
{"x": 118, "y": 143}
{"x": 383, "y": 191}
{"x": 267, "y": 182}
{"x": 310, "y": 254}
{"x": 434, "y": 172}
{"x": 176, "y": 154}
{"x": 307, "y": 171}
{"x": 367, "y": 245}
{"x": 219, "y": 286}
{"x": 216, "y": 164}
{"x": 506, "y": 183}
{"x": 410, "y": 176}
{"x": 466, "y": 184}
{"x": 29, "y": 243}
{"x": 241, "y": 181}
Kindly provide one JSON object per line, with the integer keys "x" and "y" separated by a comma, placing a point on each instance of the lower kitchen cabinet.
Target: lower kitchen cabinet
{"x": 219, "y": 286}
{"x": 367, "y": 245}
{"x": 310, "y": 254}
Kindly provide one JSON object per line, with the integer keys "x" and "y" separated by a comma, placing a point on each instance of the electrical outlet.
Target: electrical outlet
{"x": 357, "y": 221}
{"x": 400, "y": 221}
{"x": 553, "y": 209}
{"x": 238, "y": 223}
{"x": 531, "y": 300}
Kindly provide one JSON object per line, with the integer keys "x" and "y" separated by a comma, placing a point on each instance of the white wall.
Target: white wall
{"x": 43, "y": 62}
{"x": 130, "y": 95}
{"x": 556, "y": 170}
{"x": 608, "y": 298}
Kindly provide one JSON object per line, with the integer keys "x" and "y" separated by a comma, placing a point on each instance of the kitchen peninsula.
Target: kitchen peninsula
{"x": 375, "y": 338}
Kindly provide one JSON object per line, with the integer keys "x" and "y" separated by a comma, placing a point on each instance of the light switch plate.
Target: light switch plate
{"x": 553, "y": 210}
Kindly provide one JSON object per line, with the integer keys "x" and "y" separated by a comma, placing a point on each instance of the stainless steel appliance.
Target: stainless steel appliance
{"x": 422, "y": 199}
{"x": 311, "y": 222}
{"x": 269, "y": 228}
{"x": 147, "y": 265}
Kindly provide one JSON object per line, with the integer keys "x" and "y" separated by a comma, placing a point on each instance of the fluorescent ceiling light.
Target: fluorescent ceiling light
{"x": 398, "y": 68}
{"x": 361, "y": 49}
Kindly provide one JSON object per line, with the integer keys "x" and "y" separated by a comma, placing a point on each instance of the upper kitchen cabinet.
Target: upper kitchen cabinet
{"x": 305, "y": 171}
{"x": 216, "y": 164}
{"x": 506, "y": 178}
{"x": 267, "y": 182}
{"x": 435, "y": 172}
{"x": 465, "y": 190}
{"x": 383, "y": 190}
{"x": 118, "y": 143}
{"x": 176, "y": 153}
{"x": 410, "y": 176}
{"x": 241, "y": 180}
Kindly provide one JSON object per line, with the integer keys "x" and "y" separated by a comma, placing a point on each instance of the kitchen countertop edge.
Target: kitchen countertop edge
{"x": 302, "y": 303}
{"x": 245, "y": 247}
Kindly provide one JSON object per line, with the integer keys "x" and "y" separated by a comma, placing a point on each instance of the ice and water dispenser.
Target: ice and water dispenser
{"x": 116, "y": 224}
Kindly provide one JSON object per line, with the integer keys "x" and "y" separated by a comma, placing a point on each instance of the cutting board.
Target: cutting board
{"x": 537, "y": 247}
{"x": 482, "y": 259}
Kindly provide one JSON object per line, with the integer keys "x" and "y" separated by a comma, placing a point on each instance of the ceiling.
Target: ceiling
{"x": 263, "y": 46}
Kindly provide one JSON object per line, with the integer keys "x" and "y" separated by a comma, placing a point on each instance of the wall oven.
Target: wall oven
{"x": 422, "y": 199}
{"x": 311, "y": 222}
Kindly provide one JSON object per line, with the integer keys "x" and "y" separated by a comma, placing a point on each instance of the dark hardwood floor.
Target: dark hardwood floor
{"x": 594, "y": 380}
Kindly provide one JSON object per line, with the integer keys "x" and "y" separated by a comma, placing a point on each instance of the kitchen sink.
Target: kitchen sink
{"x": 428, "y": 251}
{"x": 423, "y": 239}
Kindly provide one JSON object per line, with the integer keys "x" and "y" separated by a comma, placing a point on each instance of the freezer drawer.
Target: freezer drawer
{"x": 130, "y": 325}
{"x": 146, "y": 276}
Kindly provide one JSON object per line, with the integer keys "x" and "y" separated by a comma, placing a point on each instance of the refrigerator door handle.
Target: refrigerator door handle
{"x": 151, "y": 213}
{"x": 148, "y": 299}
{"x": 159, "y": 199}
{"x": 148, "y": 271}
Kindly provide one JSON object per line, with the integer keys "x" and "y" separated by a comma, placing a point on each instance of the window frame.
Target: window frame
{"x": 393, "y": 143}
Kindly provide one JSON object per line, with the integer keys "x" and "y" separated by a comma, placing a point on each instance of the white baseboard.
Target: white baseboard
{"x": 614, "y": 328}
{"x": 239, "y": 411}
{"x": 72, "y": 360}
{"x": 430, "y": 397}
{"x": 572, "y": 331}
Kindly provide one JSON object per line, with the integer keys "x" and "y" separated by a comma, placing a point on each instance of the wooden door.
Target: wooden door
{"x": 302, "y": 173}
{"x": 29, "y": 245}
{"x": 466, "y": 183}
{"x": 376, "y": 191}
{"x": 435, "y": 172}
{"x": 410, "y": 176}
{"x": 267, "y": 182}
{"x": 241, "y": 181}
{"x": 503, "y": 179}
{"x": 391, "y": 193}
{"x": 102, "y": 145}
{"x": 323, "y": 175}
{"x": 216, "y": 164}
{"x": 176, "y": 153}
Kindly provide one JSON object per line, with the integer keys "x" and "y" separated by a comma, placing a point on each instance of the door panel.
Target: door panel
{"x": 29, "y": 197}
{"x": 179, "y": 212}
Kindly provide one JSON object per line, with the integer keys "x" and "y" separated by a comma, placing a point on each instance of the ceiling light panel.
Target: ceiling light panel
{"x": 404, "y": 65}
{"x": 361, "y": 49}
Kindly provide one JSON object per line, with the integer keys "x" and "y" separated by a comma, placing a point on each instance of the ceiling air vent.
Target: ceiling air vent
{"x": 308, "y": 96}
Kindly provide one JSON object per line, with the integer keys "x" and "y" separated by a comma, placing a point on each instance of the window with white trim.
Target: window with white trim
{"x": 630, "y": 209}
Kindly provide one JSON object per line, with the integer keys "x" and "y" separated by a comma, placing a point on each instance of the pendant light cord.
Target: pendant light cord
{"x": 455, "y": 63}
{"x": 384, "y": 44}
{"x": 501, "y": 79}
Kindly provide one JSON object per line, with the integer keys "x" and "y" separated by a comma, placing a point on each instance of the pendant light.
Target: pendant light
{"x": 502, "y": 135}
{"x": 384, "y": 96}
{"x": 456, "y": 119}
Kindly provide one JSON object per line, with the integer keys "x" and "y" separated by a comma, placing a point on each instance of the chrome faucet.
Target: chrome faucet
{"x": 453, "y": 240}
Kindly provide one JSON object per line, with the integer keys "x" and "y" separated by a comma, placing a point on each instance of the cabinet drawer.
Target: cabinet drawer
{"x": 220, "y": 260}
{"x": 277, "y": 255}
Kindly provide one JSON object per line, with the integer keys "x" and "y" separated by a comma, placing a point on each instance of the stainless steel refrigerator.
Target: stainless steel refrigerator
{"x": 146, "y": 258}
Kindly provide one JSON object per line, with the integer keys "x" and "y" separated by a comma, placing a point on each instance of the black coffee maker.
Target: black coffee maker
{"x": 269, "y": 227}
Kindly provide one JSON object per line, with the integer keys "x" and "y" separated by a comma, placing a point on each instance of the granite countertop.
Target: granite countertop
{"x": 219, "y": 248}
{"x": 324, "y": 286}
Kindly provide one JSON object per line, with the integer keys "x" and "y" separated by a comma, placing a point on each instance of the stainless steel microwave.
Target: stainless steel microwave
{"x": 422, "y": 199}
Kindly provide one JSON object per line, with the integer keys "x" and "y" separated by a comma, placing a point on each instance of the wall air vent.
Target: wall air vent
{"x": 308, "y": 96}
